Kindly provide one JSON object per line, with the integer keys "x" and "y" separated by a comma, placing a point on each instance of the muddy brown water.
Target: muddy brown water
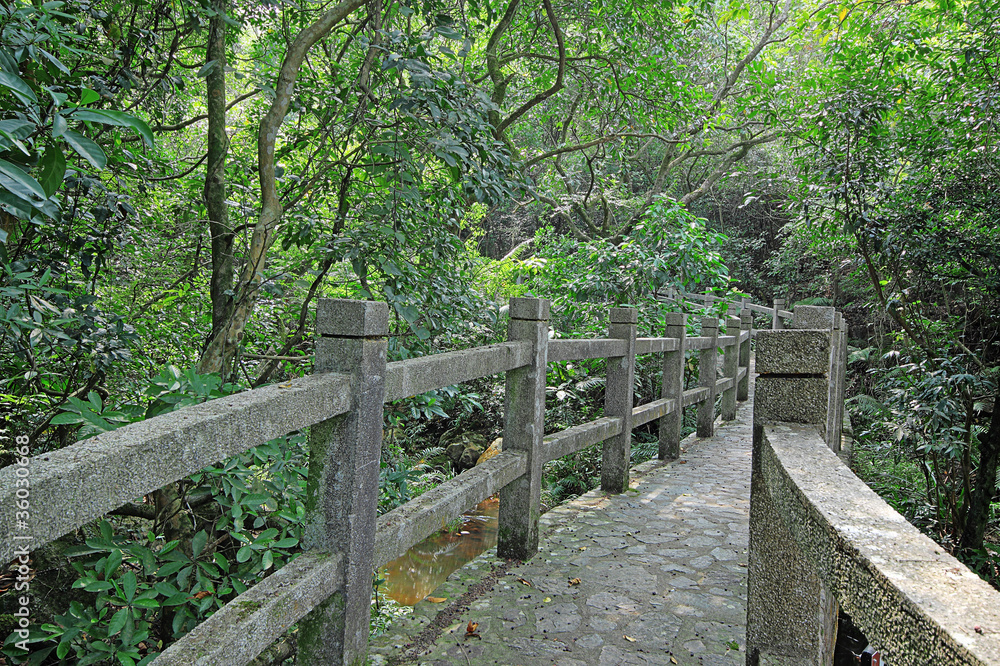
{"x": 417, "y": 573}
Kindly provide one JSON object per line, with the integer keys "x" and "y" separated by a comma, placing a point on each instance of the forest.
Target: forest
{"x": 181, "y": 181}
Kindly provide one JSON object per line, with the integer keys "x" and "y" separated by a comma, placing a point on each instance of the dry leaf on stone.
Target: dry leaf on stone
{"x": 526, "y": 582}
{"x": 471, "y": 630}
{"x": 436, "y": 600}
{"x": 673, "y": 661}
{"x": 628, "y": 638}
{"x": 574, "y": 581}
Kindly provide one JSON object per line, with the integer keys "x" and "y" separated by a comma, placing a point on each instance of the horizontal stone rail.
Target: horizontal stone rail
{"x": 652, "y": 411}
{"x": 327, "y": 588}
{"x": 915, "y": 603}
{"x": 578, "y": 350}
{"x": 694, "y": 396}
{"x": 580, "y": 437}
{"x": 656, "y": 345}
{"x": 700, "y": 343}
{"x": 251, "y": 622}
{"x": 759, "y": 309}
{"x": 426, "y": 373}
{"x": 84, "y": 481}
{"x": 403, "y": 527}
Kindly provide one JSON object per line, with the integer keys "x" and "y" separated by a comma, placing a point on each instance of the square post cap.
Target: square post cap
{"x": 341, "y": 317}
{"x": 531, "y": 309}
{"x": 623, "y": 316}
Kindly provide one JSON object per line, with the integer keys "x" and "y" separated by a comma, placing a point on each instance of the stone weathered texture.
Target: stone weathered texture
{"x": 673, "y": 387}
{"x": 913, "y": 601}
{"x": 661, "y": 567}
{"x": 419, "y": 375}
{"x": 777, "y": 323}
{"x": 791, "y": 617}
{"x": 791, "y": 399}
{"x": 524, "y": 427}
{"x": 82, "y": 482}
{"x": 529, "y": 309}
{"x": 651, "y": 411}
{"x": 656, "y": 345}
{"x": 814, "y": 316}
{"x": 746, "y": 324}
{"x": 354, "y": 319}
{"x": 247, "y": 625}
{"x": 793, "y": 352}
{"x": 616, "y": 450}
{"x": 573, "y": 350}
{"x": 407, "y": 525}
{"x": 342, "y": 487}
{"x": 730, "y": 368}
{"x": 707, "y": 362}
{"x": 580, "y": 437}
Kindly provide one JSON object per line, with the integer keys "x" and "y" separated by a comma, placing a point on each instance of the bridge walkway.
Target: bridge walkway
{"x": 656, "y": 575}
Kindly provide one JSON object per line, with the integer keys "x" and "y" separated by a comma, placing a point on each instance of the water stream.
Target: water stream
{"x": 414, "y": 575}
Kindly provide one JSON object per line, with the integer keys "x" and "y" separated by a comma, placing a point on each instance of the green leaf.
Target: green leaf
{"x": 146, "y": 603}
{"x": 98, "y": 586}
{"x": 117, "y": 621}
{"x": 129, "y": 584}
{"x": 18, "y": 183}
{"x": 53, "y": 165}
{"x": 58, "y": 126}
{"x": 86, "y": 148}
{"x": 198, "y": 542}
{"x": 88, "y": 96}
{"x": 66, "y": 418}
{"x": 115, "y": 118}
{"x": 15, "y": 83}
{"x": 206, "y": 69}
{"x": 112, "y": 563}
{"x": 243, "y": 554}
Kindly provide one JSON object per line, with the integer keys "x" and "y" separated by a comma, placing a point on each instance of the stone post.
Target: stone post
{"x": 616, "y": 451}
{"x": 707, "y": 360}
{"x": 777, "y": 323}
{"x": 730, "y": 368}
{"x": 825, "y": 318}
{"x": 746, "y": 324}
{"x": 841, "y": 379}
{"x": 791, "y": 616}
{"x": 673, "y": 387}
{"x": 523, "y": 428}
{"x": 342, "y": 486}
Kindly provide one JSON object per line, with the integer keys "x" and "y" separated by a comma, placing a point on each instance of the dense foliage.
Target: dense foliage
{"x": 179, "y": 183}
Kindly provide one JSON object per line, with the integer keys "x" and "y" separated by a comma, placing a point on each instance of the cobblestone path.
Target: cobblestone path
{"x": 661, "y": 575}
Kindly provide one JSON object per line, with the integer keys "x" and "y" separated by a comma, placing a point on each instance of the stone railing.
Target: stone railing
{"x": 822, "y": 541}
{"x": 327, "y": 589}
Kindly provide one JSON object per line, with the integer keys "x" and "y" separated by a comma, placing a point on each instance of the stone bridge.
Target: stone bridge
{"x": 742, "y": 543}
{"x": 654, "y": 575}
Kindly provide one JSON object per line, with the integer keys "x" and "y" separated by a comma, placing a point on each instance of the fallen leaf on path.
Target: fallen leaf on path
{"x": 526, "y": 582}
{"x": 470, "y": 630}
{"x": 575, "y": 581}
{"x": 436, "y": 600}
{"x": 628, "y": 638}
{"x": 673, "y": 661}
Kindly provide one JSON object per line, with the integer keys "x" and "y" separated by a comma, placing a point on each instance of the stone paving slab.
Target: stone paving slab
{"x": 661, "y": 569}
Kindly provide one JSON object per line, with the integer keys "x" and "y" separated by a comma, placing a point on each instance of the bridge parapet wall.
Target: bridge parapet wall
{"x": 822, "y": 541}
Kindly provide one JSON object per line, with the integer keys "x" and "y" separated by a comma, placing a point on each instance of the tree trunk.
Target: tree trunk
{"x": 222, "y": 347}
{"x": 986, "y": 483}
{"x": 215, "y": 176}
